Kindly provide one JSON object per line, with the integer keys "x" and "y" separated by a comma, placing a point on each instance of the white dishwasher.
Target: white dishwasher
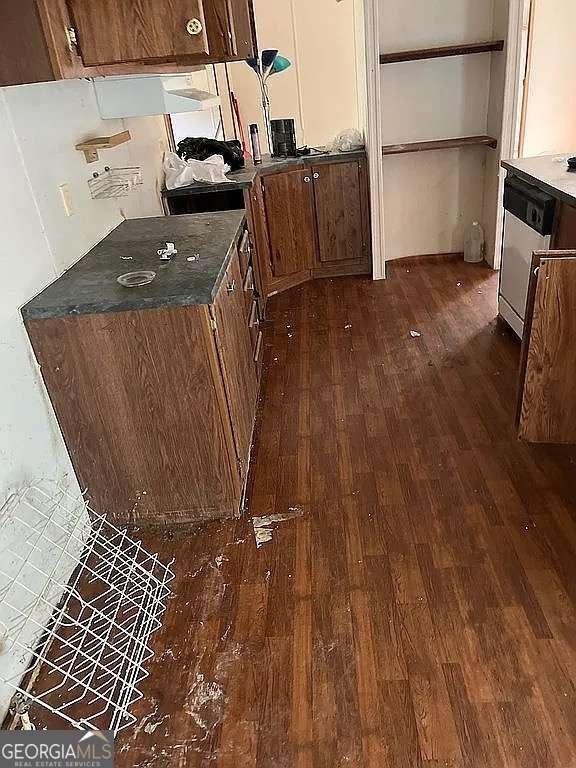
{"x": 528, "y": 220}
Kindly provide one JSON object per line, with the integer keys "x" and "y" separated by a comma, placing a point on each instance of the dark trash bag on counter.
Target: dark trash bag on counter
{"x": 202, "y": 149}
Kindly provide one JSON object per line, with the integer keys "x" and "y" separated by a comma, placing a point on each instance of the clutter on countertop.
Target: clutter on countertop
{"x": 203, "y": 149}
{"x": 182, "y": 173}
{"x": 283, "y": 133}
{"x": 255, "y": 141}
{"x": 243, "y": 178}
{"x": 349, "y": 140}
{"x": 202, "y": 246}
{"x": 202, "y": 159}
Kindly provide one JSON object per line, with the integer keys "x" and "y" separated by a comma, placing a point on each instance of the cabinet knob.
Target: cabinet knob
{"x": 316, "y": 175}
{"x": 307, "y": 179}
{"x": 194, "y": 27}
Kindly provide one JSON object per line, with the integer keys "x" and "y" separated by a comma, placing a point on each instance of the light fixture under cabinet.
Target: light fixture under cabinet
{"x": 145, "y": 95}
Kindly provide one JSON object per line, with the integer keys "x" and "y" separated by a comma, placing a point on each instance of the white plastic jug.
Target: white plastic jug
{"x": 474, "y": 244}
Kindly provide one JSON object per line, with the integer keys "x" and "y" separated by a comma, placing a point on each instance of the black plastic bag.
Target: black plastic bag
{"x": 202, "y": 149}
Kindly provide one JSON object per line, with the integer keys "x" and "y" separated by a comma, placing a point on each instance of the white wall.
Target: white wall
{"x": 39, "y": 126}
{"x": 550, "y": 122}
{"x": 49, "y": 120}
{"x": 430, "y": 199}
{"x": 323, "y": 88}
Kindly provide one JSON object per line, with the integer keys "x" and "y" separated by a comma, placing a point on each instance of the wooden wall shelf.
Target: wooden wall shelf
{"x": 430, "y": 146}
{"x": 464, "y": 49}
{"x": 91, "y": 146}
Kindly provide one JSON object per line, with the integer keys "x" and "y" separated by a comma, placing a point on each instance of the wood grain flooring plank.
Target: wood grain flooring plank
{"x": 420, "y": 609}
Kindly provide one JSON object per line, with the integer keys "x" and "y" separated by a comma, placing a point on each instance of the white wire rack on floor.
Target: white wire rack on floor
{"x": 79, "y": 601}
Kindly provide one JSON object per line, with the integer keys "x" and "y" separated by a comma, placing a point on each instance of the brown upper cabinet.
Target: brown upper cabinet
{"x": 55, "y": 39}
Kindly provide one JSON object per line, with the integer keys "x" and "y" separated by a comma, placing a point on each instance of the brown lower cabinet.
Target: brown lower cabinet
{"x": 315, "y": 222}
{"x": 342, "y": 218}
{"x": 564, "y": 235}
{"x": 289, "y": 206}
{"x": 157, "y": 406}
{"x": 236, "y": 354}
{"x": 546, "y": 411}
{"x": 547, "y": 397}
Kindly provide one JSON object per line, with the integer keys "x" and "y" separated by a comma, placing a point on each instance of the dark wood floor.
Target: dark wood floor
{"x": 419, "y": 609}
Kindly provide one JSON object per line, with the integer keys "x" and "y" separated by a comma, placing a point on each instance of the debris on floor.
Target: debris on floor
{"x": 415, "y": 334}
{"x": 205, "y": 703}
{"x": 151, "y": 727}
{"x": 263, "y": 526}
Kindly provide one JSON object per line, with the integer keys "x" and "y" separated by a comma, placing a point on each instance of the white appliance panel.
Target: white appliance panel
{"x": 520, "y": 241}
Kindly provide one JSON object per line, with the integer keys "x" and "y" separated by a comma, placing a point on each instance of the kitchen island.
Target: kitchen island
{"x": 155, "y": 386}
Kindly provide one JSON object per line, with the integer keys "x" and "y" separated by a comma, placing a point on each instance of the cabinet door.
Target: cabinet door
{"x": 236, "y": 359}
{"x": 564, "y": 235}
{"x": 243, "y": 30}
{"x": 289, "y": 204}
{"x": 153, "y": 30}
{"x": 338, "y": 212}
{"x": 547, "y": 397}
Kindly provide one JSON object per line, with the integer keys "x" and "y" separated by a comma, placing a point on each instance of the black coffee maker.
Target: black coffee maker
{"x": 283, "y": 138}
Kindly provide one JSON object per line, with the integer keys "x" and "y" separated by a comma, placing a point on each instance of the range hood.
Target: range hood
{"x": 145, "y": 95}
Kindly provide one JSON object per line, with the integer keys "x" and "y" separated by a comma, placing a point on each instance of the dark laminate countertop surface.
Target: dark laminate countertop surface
{"x": 90, "y": 286}
{"x": 547, "y": 172}
{"x": 243, "y": 178}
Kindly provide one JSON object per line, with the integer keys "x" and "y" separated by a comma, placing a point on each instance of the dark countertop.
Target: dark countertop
{"x": 547, "y": 172}
{"x": 244, "y": 178}
{"x": 90, "y": 286}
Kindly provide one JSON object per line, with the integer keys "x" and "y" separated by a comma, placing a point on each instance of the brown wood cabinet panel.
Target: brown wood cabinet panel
{"x": 338, "y": 212}
{"x": 236, "y": 359}
{"x": 564, "y": 236}
{"x": 289, "y": 204}
{"x": 119, "y": 37}
{"x": 116, "y": 31}
{"x": 23, "y": 52}
{"x": 260, "y": 244}
{"x": 243, "y": 28}
{"x": 547, "y": 397}
{"x": 142, "y": 413}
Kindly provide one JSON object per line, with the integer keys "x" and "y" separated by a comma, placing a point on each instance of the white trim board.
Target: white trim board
{"x": 374, "y": 136}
